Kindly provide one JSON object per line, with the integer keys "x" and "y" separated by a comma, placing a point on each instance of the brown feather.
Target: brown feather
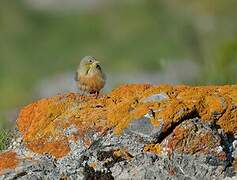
{"x": 91, "y": 84}
{"x": 76, "y": 76}
{"x": 89, "y": 76}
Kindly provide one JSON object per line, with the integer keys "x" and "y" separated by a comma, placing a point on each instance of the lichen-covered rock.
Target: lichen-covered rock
{"x": 135, "y": 132}
{"x": 8, "y": 160}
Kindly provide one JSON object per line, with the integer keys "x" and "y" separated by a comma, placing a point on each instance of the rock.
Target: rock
{"x": 156, "y": 98}
{"x": 135, "y": 132}
{"x": 144, "y": 128}
{"x": 193, "y": 137}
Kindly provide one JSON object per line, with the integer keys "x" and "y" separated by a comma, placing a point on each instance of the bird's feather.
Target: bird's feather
{"x": 76, "y": 76}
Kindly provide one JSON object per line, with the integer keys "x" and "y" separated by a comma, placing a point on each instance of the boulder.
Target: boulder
{"x": 137, "y": 131}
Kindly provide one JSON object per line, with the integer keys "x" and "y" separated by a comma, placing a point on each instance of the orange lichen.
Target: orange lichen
{"x": 191, "y": 140}
{"x": 154, "y": 148}
{"x": 8, "y": 160}
{"x": 44, "y": 123}
{"x": 93, "y": 165}
{"x": 228, "y": 120}
{"x": 119, "y": 153}
{"x": 180, "y": 141}
{"x": 44, "y": 127}
{"x": 56, "y": 148}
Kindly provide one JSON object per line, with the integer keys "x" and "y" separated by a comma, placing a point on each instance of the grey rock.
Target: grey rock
{"x": 143, "y": 128}
{"x": 99, "y": 161}
{"x": 156, "y": 98}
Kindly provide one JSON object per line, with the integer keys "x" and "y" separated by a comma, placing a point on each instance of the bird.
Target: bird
{"x": 89, "y": 76}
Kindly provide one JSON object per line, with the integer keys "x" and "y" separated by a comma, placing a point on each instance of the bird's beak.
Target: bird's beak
{"x": 96, "y": 62}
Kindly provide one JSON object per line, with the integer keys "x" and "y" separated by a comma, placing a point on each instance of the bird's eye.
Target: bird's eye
{"x": 90, "y": 61}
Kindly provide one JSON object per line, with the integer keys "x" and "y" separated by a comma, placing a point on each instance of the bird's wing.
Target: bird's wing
{"x": 102, "y": 73}
{"x": 98, "y": 67}
{"x": 76, "y": 76}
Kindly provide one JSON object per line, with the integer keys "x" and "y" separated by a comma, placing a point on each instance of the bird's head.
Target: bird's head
{"x": 87, "y": 63}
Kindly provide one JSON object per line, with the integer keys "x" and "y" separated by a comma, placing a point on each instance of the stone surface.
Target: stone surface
{"x": 137, "y": 131}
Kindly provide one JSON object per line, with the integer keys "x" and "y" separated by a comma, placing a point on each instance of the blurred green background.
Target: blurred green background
{"x": 157, "y": 41}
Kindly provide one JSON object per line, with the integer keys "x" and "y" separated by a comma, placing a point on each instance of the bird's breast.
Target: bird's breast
{"x": 91, "y": 83}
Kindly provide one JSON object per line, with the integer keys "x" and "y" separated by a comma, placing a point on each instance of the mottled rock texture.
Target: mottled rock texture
{"x": 137, "y": 131}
